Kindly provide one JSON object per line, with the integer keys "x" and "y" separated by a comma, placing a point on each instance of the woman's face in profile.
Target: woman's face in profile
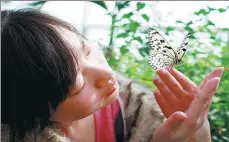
{"x": 95, "y": 85}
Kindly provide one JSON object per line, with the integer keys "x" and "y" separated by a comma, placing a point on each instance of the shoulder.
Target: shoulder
{"x": 134, "y": 94}
{"x": 142, "y": 114}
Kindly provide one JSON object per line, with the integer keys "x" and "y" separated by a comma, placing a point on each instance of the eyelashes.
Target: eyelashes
{"x": 81, "y": 88}
{"x": 88, "y": 52}
{"x": 79, "y": 84}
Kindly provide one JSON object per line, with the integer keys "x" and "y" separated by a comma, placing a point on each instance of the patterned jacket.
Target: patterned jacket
{"x": 140, "y": 114}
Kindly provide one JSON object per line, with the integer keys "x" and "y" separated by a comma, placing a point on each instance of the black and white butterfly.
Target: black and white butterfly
{"x": 161, "y": 52}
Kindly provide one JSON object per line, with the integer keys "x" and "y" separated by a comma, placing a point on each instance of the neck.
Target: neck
{"x": 77, "y": 130}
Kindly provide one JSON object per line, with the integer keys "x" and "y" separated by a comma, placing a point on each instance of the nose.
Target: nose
{"x": 98, "y": 75}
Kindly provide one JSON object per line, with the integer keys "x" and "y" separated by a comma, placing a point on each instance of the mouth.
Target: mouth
{"x": 113, "y": 88}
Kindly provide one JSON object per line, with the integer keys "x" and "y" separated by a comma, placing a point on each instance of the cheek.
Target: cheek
{"x": 84, "y": 101}
{"x": 87, "y": 98}
{"x": 81, "y": 106}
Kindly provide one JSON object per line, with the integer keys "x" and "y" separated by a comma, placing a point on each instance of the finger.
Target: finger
{"x": 184, "y": 81}
{"x": 171, "y": 83}
{"x": 196, "y": 111}
{"x": 165, "y": 92}
{"x": 163, "y": 104}
{"x": 215, "y": 73}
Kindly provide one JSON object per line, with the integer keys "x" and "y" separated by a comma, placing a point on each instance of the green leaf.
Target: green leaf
{"x": 225, "y": 29}
{"x": 133, "y": 26}
{"x": 37, "y": 4}
{"x": 144, "y": 51}
{"x": 122, "y": 35}
{"x": 213, "y": 37}
{"x": 100, "y": 3}
{"x": 122, "y": 4}
{"x": 123, "y": 50}
{"x": 189, "y": 29}
{"x": 192, "y": 36}
{"x": 201, "y": 11}
{"x": 211, "y": 9}
{"x": 220, "y": 123}
{"x": 138, "y": 38}
{"x": 127, "y": 15}
{"x": 210, "y": 23}
{"x": 221, "y": 10}
{"x": 140, "y": 5}
{"x": 168, "y": 29}
{"x": 145, "y": 17}
{"x": 189, "y": 23}
{"x": 180, "y": 22}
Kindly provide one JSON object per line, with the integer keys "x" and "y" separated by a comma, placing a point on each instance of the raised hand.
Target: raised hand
{"x": 177, "y": 93}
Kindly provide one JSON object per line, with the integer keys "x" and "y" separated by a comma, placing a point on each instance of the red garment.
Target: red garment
{"x": 105, "y": 122}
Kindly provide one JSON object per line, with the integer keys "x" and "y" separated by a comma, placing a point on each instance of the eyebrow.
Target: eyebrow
{"x": 82, "y": 44}
{"x": 81, "y": 37}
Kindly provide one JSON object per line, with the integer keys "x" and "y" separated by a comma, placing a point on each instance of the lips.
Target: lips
{"x": 112, "y": 89}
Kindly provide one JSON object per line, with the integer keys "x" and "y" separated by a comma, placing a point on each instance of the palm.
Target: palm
{"x": 177, "y": 93}
{"x": 183, "y": 98}
{"x": 179, "y": 105}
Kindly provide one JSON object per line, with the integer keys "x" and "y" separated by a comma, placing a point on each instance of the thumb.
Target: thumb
{"x": 211, "y": 85}
{"x": 215, "y": 73}
{"x": 170, "y": 126}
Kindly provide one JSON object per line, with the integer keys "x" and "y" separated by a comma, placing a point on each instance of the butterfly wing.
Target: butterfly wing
{"x": 161, "y": 53}
{"x": 158, "y": 60}
{"x": 182, "y": 48}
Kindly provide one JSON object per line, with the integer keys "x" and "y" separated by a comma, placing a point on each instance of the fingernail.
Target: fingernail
{"x": 158, "y": 96}
{"x": 215, "y": 80}
{"x": 168, "y": 68}
{"x": 156, "y": 80}
{"x": 221, "y": 71}
{"x": 180, "y": 116}
{"x": 158, "y": 70}
{"x": 161, "y": 71}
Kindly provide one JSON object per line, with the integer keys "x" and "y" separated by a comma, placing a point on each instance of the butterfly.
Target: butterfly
{"x": 161, "y": 52}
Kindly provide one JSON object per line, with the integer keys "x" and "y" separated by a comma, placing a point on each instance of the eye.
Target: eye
{"x": 86, "y": 48}
{"x": 80, "y": 89}
{"x": 88, "y": 51}
{"x": 79, "y": 84}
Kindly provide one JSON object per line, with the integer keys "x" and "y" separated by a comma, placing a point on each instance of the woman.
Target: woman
{"x": 58, "y": 87}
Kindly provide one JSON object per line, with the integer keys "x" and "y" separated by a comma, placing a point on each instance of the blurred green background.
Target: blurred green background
{"x": 127, "y": 46}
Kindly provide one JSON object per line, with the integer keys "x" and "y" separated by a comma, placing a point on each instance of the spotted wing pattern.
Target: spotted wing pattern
{"x": 161, "y": 52}
{"x": 183, "y": 47}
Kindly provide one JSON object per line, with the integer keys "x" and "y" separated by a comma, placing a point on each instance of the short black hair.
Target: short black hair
{"x": 38, "y": 68}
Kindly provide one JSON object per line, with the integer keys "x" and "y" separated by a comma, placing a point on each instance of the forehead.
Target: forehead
{"x": 70, "y": 37}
